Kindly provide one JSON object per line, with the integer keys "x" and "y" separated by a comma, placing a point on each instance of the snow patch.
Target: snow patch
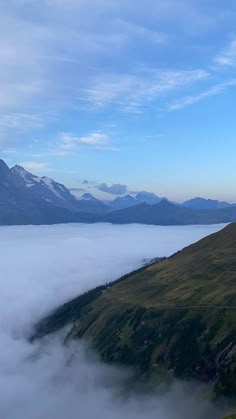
{"x": 50, "y": 184}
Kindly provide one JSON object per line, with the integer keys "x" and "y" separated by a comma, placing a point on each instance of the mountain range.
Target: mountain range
{"x": 150, "y": 198}
{"x": 127, "y": 201}
{"x": 29, "y": 199}
{"x": 172, "y": 319}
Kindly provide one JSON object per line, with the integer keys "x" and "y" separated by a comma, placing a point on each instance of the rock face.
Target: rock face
{"x": 22, "y": 204}
{"x": 176, "y": 317}
{"x": 44, "y": 188}
{"x": 29, "y": 199}
{"x": 5, "y": 175}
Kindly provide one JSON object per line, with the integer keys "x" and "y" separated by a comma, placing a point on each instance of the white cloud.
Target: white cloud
{"x": 107, "y": 148}
{"x": 94, "y": 139}
{"x": 52, "y": 153}
{"x": 43, "y": 266}
{"x": 142, "y": 33}
{"x": 49, "y": 51}
{"x": 115, "y": 189}
{"x": 60, "y": 55}
{"x": 21, "y": 121}
{"x": 34, "y": 166}
{"x": 9, "y": 151}
{"x": 228, "y": 56}
{"x": 69, "y": 141}
{"x": 190, "y": 100}
{"x": 131, "y": 92}
{"x": 13, "y": 124}
{"x": 41, "y": 50}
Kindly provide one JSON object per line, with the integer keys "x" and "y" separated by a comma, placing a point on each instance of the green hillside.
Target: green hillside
{"x": 175, "y": 318}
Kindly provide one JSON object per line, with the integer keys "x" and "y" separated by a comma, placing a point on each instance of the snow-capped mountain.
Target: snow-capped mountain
{"x": 123, "y": 202}
{"x": 128, "y": 201}
{"x": 88, "y": 197}
{"x": 26, "y": 198}
{"x": 89, "y": 203}
{"x": 29, "y": 199}
{"x": 148, "y": 197}
{"x": 45, "y": 188}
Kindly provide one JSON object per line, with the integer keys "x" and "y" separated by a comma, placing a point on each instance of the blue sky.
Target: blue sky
{"x": 122, "y": 92}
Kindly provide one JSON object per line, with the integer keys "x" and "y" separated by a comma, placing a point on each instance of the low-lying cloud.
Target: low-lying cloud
{"x": 43, "y": 266}
{"x": 115, "y": 189}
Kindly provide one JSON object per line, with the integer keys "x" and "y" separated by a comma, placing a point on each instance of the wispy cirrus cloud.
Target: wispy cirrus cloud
{"x": 227, "y": 57}
{"x": 130, "y": 92}
{"x": 76, "y": 57}
{"x": 51, "y": 152}
{"x": 95, "y": 139}
{"x": 190, "y": 100}
{"x": 17, "y": 124}
{"x": 9, "y": 151}
{"x": 141, "y": 33}
{"x": 63, "y": 41}
{"x": 21, "y": 121}
{"x": 68, "y": 44}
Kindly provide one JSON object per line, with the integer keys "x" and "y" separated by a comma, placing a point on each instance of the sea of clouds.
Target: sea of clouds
{"x": 43, "y": 266}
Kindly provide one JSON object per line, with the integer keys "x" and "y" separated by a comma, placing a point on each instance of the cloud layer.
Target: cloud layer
{"x": 42, "y": 267}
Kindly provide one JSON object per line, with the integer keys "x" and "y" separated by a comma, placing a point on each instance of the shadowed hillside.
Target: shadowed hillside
{"x": 174, "y": 318}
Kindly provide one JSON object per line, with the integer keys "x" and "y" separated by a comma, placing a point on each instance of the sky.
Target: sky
{"x": 48, "y": 379}
{"x": 121, "y": 92}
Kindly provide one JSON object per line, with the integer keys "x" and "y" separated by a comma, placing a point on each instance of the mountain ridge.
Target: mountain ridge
{"x": 166, "y": 213}
{"x": 177, "y": 316}
{"x": 199, "y": 203}
{"x": 28, "y": 199}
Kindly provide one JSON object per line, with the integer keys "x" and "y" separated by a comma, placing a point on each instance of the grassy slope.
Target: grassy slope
{"x": 177, "y": 316}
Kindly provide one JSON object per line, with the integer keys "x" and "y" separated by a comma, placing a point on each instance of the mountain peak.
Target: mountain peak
{"x": 148, "y": 197}
{"x": 88, "y": 197}
{"x": 45, "y": 187}
{"x": 26, "y": 176}
{"x": 17, "y": 168}
{"x": 165, "y": 203}
{"x": 3, "y": 164}
{"x": 199, "y": 203}
{"x": 146, "y": 194}
{"x": 5, "y": 174}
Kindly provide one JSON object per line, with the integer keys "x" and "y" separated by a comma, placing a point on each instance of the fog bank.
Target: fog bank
{"x": 43, "y": 266}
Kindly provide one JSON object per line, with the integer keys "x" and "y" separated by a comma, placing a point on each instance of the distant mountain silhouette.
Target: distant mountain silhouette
{"x": 140, "y": 198}
{"x": 29, "y": 199}
{"x": 166, "y": 213}
{"x": 202, "y": 203}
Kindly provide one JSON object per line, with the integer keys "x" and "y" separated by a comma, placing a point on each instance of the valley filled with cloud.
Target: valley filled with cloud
{"x": 44, "y": 266}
